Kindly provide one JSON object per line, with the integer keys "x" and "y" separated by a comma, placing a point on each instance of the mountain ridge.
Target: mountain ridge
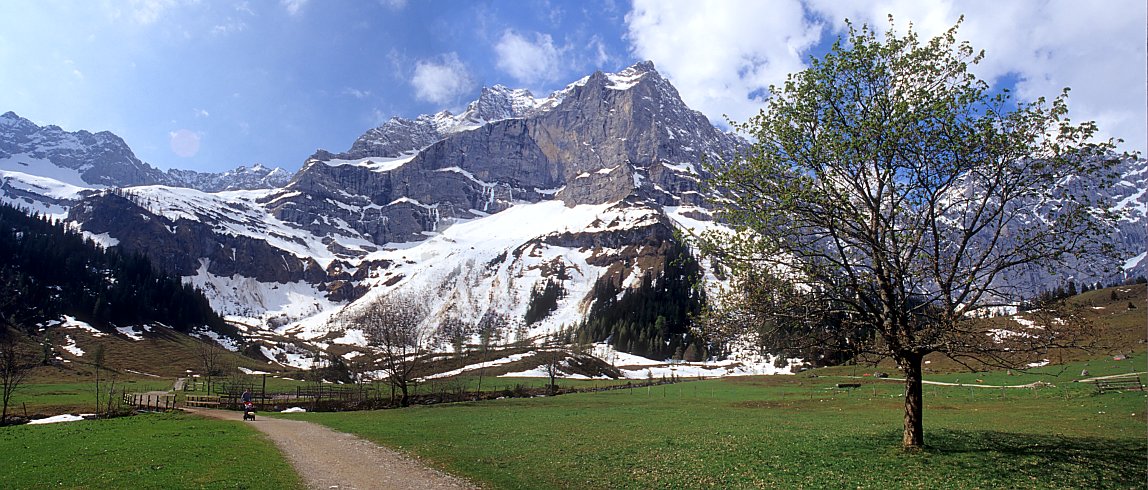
{"x": 591, "y": 183}
{"x": 104, "y": 159}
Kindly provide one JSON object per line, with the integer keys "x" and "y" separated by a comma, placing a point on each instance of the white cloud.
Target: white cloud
{"x": 356, "y": 93}
{"x": 441, "y": 81}
{"x": 528, "y": 61}
{"x": 229, "y": 26}
{"x": 394, "y": 4}
{"x": 719, "y": 53}
{"x": 1097, "y": 49}
{"x": 201, "y": 113}
{"x": 600, "y": 56}
{"x": 293, "y": 6}
{"x": 148, "y": 11}
{"x": 76, "y": 73}
{"x": 722, "y": 55}
{"x": 244, "y": 7}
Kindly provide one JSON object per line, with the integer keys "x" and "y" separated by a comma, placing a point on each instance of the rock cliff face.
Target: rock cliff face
{"x": 242, "y": 178}
{"x": 601, "y": 139}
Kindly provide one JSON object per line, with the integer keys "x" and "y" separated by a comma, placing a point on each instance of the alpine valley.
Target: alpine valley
{"x": 585, "y": 190}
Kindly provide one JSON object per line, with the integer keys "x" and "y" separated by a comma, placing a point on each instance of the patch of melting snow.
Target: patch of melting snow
{"x": 130, "y": 332}
{"x": 352, "y": 336}
{"x": 1026, "y": 323}
{"x": 483, "y": 365}
{"x": 145, "y": 374}
{"x": 226, "y": 342}
{"x": 1000, "y": 334}
{"x": 72, "y": 322}
{"x": 71, "y": 347}
{"x": 58, "y": 418}
{"x": 251, "y": 371}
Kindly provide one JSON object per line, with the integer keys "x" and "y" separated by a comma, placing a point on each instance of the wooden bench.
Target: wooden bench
{"x": 1123, "y": 383}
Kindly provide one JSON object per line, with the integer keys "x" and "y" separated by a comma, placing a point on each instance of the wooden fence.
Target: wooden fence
{"x": 206, "y": 401}
{"x": 150, "y": 402}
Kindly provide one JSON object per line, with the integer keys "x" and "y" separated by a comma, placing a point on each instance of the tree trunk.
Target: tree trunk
{"x": 914, "y": 436}
{"x": 405, "y": 401}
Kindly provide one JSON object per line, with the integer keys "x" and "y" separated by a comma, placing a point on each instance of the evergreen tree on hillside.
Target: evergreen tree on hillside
{"x": 544, "y": 300}
{"x": 653, "y": 319}
{"x": 50, "y": 270}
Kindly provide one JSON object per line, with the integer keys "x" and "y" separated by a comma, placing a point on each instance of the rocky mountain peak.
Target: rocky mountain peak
{"x": 602, "y": 139}
{"x": 10, "y": 124}
{"x": 499, "y": 102}
{"x": 629, "y": 76}
{"x": 100, "y": 159}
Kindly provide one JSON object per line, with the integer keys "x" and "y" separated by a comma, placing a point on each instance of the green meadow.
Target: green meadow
{"x": 783, "y": 432}
{"x": 145, "y": 451}
{"x": 755, "y": 432}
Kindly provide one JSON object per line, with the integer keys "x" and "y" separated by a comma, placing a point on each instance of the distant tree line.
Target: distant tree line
{"x": 1070, "y": 289}
{"x": 48, "y": 269}
{"x": 654, "y": 319}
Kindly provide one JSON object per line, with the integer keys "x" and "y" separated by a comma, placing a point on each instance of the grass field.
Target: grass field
{"x": 771, "y": 432}
{"x": 145, "y": 451}
{"x": 760, "y": 432}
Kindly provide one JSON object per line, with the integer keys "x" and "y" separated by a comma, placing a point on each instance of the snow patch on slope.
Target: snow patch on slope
{"x": 246, "y": 300}
{"x": 375, "y": 164}
{"x": 43, "y": 168}
{"x": 240, "y": 213}
{"x": 488, "y": 264}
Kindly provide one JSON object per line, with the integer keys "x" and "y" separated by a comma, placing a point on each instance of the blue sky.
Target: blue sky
{"x": 211, "y": 85}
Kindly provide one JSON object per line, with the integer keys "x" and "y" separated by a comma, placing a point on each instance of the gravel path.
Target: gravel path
{"x": 327, "y": 459}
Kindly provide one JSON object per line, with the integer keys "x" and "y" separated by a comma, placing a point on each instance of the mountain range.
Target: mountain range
{"x": 104, "y": 160}
{"x": 477, "y": 211}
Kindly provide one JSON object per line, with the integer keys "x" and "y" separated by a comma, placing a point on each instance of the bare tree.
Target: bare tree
{"x": 455, "y": 331}
{"x": 393, "y": 324}
{"x": 14, "y": 370}
{"x": 358, "y": 368}
{"x": 553, "y": 369}
{"x": 489, "y": 333}
{"x": 98, "y": 363}
{"x": 210, "y": 359}
{"x": 889, "y": 198}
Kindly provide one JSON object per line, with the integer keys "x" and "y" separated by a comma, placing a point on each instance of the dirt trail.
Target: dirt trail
{"x": 327, "y": 459}
{"x": 1101, "y": 378}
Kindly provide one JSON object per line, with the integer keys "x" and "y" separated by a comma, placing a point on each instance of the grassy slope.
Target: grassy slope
{"x": 163, "y": 352}
{"x": 777, "y": 432}
{"x": 147, "y": 451}
{"x": 137, "y": 366}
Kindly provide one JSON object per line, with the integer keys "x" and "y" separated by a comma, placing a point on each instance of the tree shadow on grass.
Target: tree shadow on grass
{"x": 1013, "y": 459}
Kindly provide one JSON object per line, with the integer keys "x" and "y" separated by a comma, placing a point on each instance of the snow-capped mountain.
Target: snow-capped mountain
{"x": 480, "y": 207}
{"x": 587, "y": 184}
{"x": 601, "y": 139}
{"x": 242, "y": 178}
{"x": 103, "y": 160}
{"x": 80, "y": 158}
